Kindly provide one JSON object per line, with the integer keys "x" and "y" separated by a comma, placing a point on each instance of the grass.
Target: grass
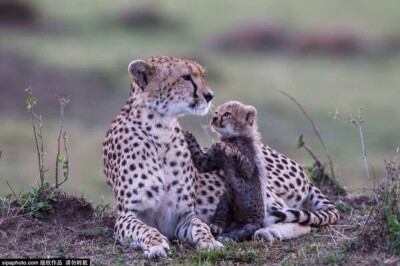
{"x": 90, "y": 235}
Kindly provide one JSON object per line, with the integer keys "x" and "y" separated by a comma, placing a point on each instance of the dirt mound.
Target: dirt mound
{"x": 70, "y": 210}
{"x": 256, "y": 36}
{"x": 148, "y": 15}
{"x": 263, "y": 36}
{"x": 327, "y": 41}
{"x": 75, "y": 229}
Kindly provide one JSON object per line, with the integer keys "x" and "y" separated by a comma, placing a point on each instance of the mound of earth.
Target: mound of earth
{"x": 148, "y": 15}
{"x": 327, "y": 41}
{"x": 262, "y": 36}
{"x": 69, "y": 231}
{"x": 252, "y": 36}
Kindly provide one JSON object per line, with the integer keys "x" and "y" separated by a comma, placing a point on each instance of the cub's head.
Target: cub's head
{"x": 171, "y": 86}
{"x": 233, "y": 119}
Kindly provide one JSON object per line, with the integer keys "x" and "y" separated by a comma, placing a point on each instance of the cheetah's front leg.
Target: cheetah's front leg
{"x": 197, "y": 232}
{"x": 153, "y": 243}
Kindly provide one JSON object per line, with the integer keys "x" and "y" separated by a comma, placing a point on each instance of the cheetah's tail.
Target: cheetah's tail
{"x": 321, "y": 211}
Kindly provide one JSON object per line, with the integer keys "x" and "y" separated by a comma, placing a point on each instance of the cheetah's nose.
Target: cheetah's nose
{"x": 215, "y": 119}
{"x": 208, "y": 96}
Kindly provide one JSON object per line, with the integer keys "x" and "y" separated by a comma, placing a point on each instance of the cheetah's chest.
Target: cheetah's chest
{"x": 177, "y": 195}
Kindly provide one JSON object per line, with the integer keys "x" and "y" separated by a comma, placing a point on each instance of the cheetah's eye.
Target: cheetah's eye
{"x": 186, "y": 77}
{"x": 226, "y": 114}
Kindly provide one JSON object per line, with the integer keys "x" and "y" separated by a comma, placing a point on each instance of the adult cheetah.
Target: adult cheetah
{"x": 146, "y": 159}
{"x": 160, "y": 195}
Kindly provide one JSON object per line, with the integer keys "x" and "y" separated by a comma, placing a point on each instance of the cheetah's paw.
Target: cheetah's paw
{"x": 267, "y": 234}
{"x": 209, "y": 244}
{"x": 160, "y": 250}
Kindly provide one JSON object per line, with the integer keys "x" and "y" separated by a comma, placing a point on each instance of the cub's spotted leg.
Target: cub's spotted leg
{"x": 282, "y": 231}
{"x": 153, "y": 243}
{"x": 197, "y": 232}
{"x": 223, "y": 214}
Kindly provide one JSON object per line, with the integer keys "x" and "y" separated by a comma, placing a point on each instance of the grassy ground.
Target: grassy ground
{"x": 76, "y": 229}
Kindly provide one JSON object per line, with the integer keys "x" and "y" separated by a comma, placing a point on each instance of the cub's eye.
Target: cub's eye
{"x": 186, "y": 77}
{"x": 226, "y": 114}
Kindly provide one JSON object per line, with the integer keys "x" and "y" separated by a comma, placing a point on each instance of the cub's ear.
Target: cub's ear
{"x": 251, "y": 115}
{"x": 140, "y": 72}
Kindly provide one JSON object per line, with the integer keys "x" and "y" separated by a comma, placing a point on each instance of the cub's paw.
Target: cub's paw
{"x": 216, "y": 229}
{"x": 189, "y": 138}
{"x": 268, "y": 234}
{"x": 209, "y": 244}
{"x": 159, "y": 249}
{"x": 224, "y": 147}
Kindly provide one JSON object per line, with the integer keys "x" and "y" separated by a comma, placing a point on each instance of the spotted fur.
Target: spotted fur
{"x": 147, "y": 163}
{"x": 289, "y": 196}
{"x": 241, "y": 209}
{"x": 146, "y": 159}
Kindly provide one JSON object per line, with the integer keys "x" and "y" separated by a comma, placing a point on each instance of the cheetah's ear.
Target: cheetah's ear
{"x": 251, "y": 115}
{"x": 140, "y": 72}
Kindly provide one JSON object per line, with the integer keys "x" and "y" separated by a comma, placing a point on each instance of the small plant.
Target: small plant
{"x": 101, "y": 210}
{"x": 383, "y": 218}
{"x": 394, "y": 229}
{"x": 317, "y": 172}
{"x": 357, "y": 121}
{"x": 343, "y": 207}
{"x": 37, "y": 122}
{"x": 381, "y": 227}
{"x": 35, "y": 203}
{"x": 62, "y": 159}
{"x": 4, "y": 205}
{"x": 37, "y": 125}
{"x": 316, "y": 132}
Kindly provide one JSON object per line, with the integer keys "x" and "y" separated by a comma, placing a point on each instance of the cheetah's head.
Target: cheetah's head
{"x": 233, "y": 119}
{"x": 171, "y": 86}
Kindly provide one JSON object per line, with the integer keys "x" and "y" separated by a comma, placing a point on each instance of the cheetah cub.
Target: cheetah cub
{"x": 241, "y": 209}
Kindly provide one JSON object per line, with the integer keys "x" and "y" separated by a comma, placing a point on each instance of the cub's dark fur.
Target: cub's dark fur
{"x": 240, "y": 211}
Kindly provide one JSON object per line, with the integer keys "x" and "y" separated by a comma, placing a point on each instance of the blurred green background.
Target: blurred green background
{"x": 328, "y": 54}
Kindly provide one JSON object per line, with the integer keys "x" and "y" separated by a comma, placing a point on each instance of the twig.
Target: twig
{"x": 66, "y": 165}
{"x": 316, "y": 132}
{"x": 15, "y": 195}
{"x": 340, "y": 234}
{"x": 302, "y": 144}
{"x": 358, "y": 121}
{"x": 364, "y": 152}
{"x": 308, "y": 149}
{"x": 63, "y": 102}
